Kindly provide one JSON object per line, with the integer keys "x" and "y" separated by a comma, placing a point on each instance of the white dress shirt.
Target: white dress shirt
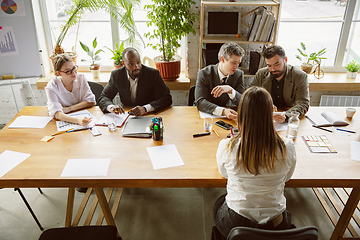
{"x": 58, "y": 96}
{"x": 218, "y": 110}
{"x": 259, "y": 198}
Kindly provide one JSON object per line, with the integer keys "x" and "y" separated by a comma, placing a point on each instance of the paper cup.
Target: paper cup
{"x": 350, "y": 112}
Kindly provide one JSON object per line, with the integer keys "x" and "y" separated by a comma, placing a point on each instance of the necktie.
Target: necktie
{"x": 223, "y": 81}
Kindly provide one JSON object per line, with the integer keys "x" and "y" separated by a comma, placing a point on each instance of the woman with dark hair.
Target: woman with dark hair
{"x": 257, "y": 163}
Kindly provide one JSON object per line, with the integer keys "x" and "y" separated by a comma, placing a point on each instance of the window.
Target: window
{"x": 321, "y": 24}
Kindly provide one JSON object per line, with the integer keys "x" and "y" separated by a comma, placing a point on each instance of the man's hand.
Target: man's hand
{"x": 117, "y": 109}
{"x": 279, "y": 118}
{"x": 229, "y": 113}
{"x": 138, "y": 111}
{"x": 220, "y": 89}
{"x": 84, "y": 121}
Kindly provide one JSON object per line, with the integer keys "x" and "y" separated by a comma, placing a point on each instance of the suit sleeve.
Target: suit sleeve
{"x": 239, "y": 88}
{"x": 108, "y": 94}
{"x": 257, "y": 80}
{"x": 201, "y": 92}
{"x": 302, "y": 99}
{"x": 161, "y": 93}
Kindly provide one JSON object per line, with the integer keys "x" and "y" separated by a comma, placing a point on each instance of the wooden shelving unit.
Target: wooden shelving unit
{"x": 275, "y": 8}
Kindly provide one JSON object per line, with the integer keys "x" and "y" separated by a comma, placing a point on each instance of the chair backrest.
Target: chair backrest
{"x": 96, "y": 88}
{"x": 245, "y": 233}
{"x": 83, "y": 232}
{"x": 191, "y": 96}
{"x": 150, "y": 62}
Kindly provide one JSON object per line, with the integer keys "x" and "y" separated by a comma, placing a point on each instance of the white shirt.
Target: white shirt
{"x": 259, "y": 198}
{"x": 58, "y": 96}
{"x": 218, "y": 110}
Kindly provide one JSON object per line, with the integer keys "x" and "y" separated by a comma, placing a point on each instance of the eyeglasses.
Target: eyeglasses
{"x": 71, "y": 71}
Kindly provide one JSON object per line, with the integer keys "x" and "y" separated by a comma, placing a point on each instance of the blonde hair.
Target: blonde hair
{"x": 259, "y": 139}
{"x": 59, "y": 61}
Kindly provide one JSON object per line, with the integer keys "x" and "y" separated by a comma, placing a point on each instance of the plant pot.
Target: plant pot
{"x": 307, "y": 67}
{"x": 95, "y": 70}
{"x": 351, "y": 74}
{"x": 117, "y": 66}
{"x": 169, "y": 71}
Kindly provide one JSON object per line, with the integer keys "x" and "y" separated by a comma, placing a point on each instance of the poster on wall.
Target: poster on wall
{"x": 12, "y": 8}
{"x": 8, "y": 46}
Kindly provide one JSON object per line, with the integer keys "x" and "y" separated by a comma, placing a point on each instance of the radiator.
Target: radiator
{"x": 339, "y": 101}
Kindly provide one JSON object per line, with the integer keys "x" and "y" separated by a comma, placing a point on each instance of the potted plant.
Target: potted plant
{"x": 173, "y": 20}
{"x": 94, "y": 56}
{"x": 117, "y": 55}
{"x": 352, "y": 69}
{"x": 120, "y": 10}
{"x": 308, "y": 64}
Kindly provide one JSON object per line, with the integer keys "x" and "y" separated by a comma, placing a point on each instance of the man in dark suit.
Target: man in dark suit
{"x": 219, "y": 87}
{"x": 137, "y": 85}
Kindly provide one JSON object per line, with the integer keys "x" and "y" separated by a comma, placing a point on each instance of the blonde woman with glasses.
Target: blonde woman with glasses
{"x": 257, "y": 163}
{"x": 68, "y": 91}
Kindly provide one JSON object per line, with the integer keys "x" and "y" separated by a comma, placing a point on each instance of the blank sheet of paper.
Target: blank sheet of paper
{"x": 164, "y": 156}
{"x": 86, "y": 167}
{"x": 30, "y": 122}
{"x": 280, "y": 126}
{"x": 355, "y": 150}
{"x": 208, "y": 115}
{"x": 10, "y": 159}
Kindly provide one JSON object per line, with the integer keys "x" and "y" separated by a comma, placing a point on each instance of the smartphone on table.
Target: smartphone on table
{"x": 224, "y": 125}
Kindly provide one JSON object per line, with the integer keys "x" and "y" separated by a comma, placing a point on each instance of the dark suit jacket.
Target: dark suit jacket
{"x": 296, "y": 88}
{"x": 151, "y": 89}
{"x": 207, "y": 79}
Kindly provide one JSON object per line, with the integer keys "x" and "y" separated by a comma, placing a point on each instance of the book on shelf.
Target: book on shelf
{"x": 254, "y": 62}
{"x": 264, "y": 14}
{"x": 271, "y": 32}
{"x": 267, "y": 27}
{"x": 326, "y": 119}
{"x": 254, "y": 26}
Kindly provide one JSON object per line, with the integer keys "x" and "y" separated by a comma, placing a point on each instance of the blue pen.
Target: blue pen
{"x": 344, "y": 130}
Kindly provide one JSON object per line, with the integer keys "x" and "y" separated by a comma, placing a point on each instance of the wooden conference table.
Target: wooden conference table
{"x": 130, "y": 164}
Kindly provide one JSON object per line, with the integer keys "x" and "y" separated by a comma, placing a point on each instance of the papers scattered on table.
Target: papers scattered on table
{"x": 355, "y": 150}
{"x": 86, "y": 167}
{"x": 62, "y": 125}
{"x": 119, "y": 119}
{"x": 30, "y": 122}
{"x": 208, "y": 115}
{"x": 280, "y": 126}
{"x": 10, "y": 159}
{"x": 165, "y": 156}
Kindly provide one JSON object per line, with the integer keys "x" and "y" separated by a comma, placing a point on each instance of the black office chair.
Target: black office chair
{"x": 191, "y": 96}
{"x": 96, "y": 88}
{"x": 245, "y": 233}
{"x": 81, "y": 233}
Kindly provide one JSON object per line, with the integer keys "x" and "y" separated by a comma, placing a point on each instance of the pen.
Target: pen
{"x": 322, "y": 128}
{"x": 75, "y": 130}
{"x": 61, "y": 132}
{"x": 215, "y": 132}
{"x": 344, "y": 130}
{"x": 201, "y": 134}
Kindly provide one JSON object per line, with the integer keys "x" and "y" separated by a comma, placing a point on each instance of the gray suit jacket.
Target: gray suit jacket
{"x": 207, "y": 79}
{"x": 296, "y": 88}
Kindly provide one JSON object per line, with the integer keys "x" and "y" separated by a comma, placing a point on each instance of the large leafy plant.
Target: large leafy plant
{"x": 172, "y": 20}
{"x": 117, "y": 52}
{"x": 92, "y": 53}
{"x": 314, "y": 57}
{"x": 120, "y": 10}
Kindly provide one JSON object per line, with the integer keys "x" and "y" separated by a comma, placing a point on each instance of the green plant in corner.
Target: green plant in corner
{"x": 314, "y": 57}
{"x": 94, "y": 55}
{"x": 120, "y": 10}
{"x": 353, "y": 66}
{"x": 117, "y": 53}
{"x": 173, "y": 20}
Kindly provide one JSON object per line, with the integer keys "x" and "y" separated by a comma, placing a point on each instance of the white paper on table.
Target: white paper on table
{"x": 30, "y": 122}
{"x": 355, "y": 150}
{"x": 208, "y": 115}
{"x": 86, "y": 167}
{"x": 62, "y": 125}
{"x": 280, "y": 126}
{"x": 10, "y": 159}
{"x": 120, "y": 118}
{"x": 164, "y": 156}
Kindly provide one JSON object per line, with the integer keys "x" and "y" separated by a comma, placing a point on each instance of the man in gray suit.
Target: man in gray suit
{"x": 219, "y": 87}
{"x": 287, "y": 85}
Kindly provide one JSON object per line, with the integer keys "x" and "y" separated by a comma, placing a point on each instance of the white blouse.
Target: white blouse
{"x": 259, "y": 198}
{"x": 58, "y": 96}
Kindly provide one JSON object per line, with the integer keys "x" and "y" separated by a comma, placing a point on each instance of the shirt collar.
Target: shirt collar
{"x": 62, "y": 88}
{"x": 221, "y": 75}
{"x": 130, "y": 78}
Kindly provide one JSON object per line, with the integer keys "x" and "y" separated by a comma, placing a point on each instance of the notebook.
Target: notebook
{"x": 326, "y": 119}
{"x": 137, "y": 127}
